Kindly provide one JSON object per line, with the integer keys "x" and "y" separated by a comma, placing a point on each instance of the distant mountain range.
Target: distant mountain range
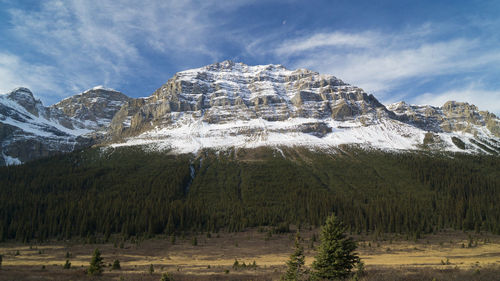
{"x": 227, "y": 104}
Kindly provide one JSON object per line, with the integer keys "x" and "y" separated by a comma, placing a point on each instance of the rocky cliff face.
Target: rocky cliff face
{"x": 94, "y": 108}
{"x": 29, "y": 130}
{"x": 227, "y": 104}
{"x": 451, "y": 117}
{"x": 231, "y": 104}
{"x": 230, "y": 92}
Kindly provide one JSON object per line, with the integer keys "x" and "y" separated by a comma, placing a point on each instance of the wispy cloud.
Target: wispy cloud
{"x": 380, "y": 62}
{"x": 63, "y": 47}
{"x": 104, "y": 42}
{"x": 14, "y": 72}
{"x": 384, "y": 63}
{"x": 321, "y": 40}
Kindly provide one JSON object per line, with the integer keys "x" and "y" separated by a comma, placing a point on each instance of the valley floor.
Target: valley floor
{"x": 449, "y": 255}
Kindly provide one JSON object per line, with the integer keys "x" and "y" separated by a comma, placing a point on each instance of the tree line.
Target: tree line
{"x": 127, "y": 191}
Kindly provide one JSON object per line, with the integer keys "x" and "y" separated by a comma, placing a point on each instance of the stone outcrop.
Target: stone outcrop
{"x": 227, "y": 91}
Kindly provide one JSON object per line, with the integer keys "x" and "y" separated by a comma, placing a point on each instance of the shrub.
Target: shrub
{"x": 116, "y": 265}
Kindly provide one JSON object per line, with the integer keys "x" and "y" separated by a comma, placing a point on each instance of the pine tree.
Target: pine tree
{"x": 295, "y": 265}
{"x": 96, "y": 264}
{"x": 336, "y": 257}
{"x": 151, "y": 269}
{"x": 166, "y": 277}
{"x": 116, "y": 265}
{"x": 67, "y": 265}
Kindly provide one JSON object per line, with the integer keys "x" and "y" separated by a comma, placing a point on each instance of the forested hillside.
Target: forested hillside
{"x": 133, "y": 192}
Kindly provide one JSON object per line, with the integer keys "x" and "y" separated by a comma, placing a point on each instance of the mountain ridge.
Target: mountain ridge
{"x": 230, "y": 104}
{"x": 30, "y": 130}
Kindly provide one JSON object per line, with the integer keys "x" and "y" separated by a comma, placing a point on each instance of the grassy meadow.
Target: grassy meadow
{"x": 448, "y": 255}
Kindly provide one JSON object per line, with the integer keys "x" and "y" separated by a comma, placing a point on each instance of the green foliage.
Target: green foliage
{"x": 96, "y": 264}
{"x": 295, "y": 265}
{"x": 67, "y": 265}
{"x": 93, "y": 194}
{"x": 236, "y": 264}
{"x": 166, "y": 277}
{"x": 194, "y": 242}
{"x": 335, "y": 258}
{"x": 116, "y": 265}
{"x": 151, "y": 269}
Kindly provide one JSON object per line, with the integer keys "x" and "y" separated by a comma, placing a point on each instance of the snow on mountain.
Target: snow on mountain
{"x": 227, "y": 104}
{"x": 231, "y": 104}
{"x": 30, "y": 130}
{"x": 94, "y": 108}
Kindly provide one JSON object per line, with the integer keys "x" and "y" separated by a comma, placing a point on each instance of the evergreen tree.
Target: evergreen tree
{"x": 67, "y": 265}
{"x": 116, "y": 265}
{"x": 166, "y": 277}
{"x": 336, "y": 257}
{"x": 295, "y": 265}
{"x": 151, "y": 269}
{"x": 96, "y": 264}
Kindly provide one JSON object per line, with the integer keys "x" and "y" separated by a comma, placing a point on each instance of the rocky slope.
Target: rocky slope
{"x": 94, "y": 108}
{"x": 29, "y": 130}
{"x": 231, "y": 104}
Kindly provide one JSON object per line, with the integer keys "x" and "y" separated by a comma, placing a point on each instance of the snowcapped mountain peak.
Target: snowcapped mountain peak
{"x": 101, "y": 87}
{"x": 230, "y": 104}
{"x": 94, "y": 108}
{"x": 21, "y": 92}
{"x": 30, "y": 130}
{"x": 22, "y": 99}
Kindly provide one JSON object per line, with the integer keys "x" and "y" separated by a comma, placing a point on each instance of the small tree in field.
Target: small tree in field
{"x": 336, "y": 257}
{"x": 96, "y": 264}
{"x": 116, "y": 265}
{"x": 67, "y": 265}
{"x": 295, "y": 265}
{"x": 151, "y": 269}
{"x": 166, "y": 277}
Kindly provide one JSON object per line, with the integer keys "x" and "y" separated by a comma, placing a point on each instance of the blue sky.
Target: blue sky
{"x": 424, "y": 52}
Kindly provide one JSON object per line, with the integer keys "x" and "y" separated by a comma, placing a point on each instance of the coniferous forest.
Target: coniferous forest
{"x": 127, "y": 191}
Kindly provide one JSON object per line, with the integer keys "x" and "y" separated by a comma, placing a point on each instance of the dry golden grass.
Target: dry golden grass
{"x": 213, "y": 256}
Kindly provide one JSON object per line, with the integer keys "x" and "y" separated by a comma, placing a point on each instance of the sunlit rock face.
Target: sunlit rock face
{"x": 232, "y": 105}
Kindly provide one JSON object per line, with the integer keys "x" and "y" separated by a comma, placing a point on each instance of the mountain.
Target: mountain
{"x": 231, "y": 104}
{"x": 230, "y": 146}
{"x": 94, "y": 108}
{"x": 29, "y": 130}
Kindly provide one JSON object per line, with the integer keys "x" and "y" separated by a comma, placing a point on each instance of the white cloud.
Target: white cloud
{"x": 382, "y": 62}
{"x": 334, "y": 39}
{"x": 14, "y": 72}
{"x": 381, "y": 69}
{"x": 86, "y": 43}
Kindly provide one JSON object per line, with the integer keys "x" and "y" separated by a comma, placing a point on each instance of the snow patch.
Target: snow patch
{"x": 9, "y": 161}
